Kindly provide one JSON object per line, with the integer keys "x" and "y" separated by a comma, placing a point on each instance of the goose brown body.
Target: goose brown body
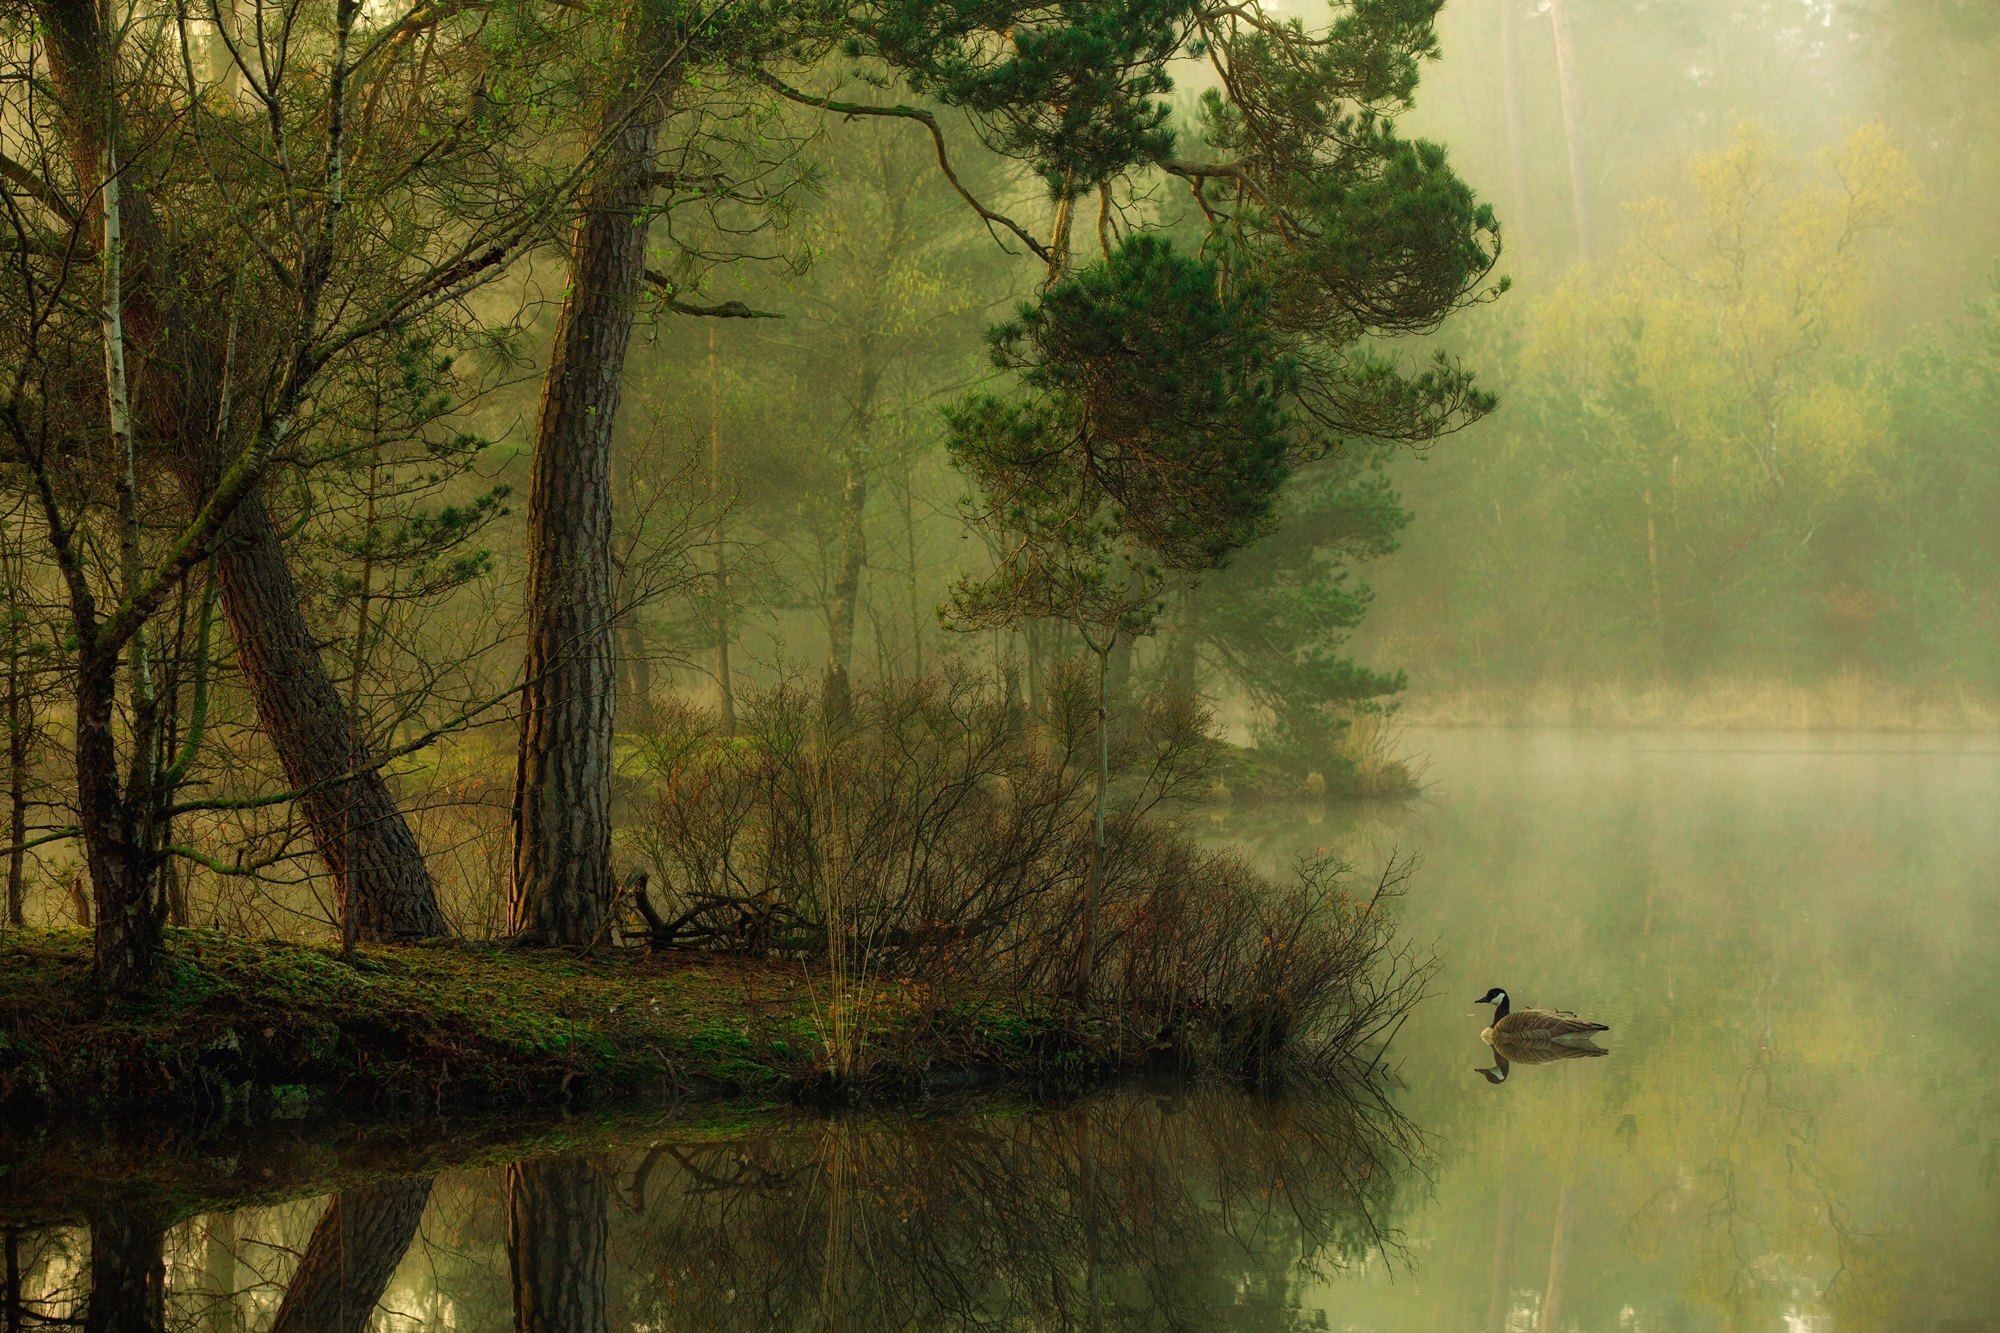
{"x": 1522, "y": 1030}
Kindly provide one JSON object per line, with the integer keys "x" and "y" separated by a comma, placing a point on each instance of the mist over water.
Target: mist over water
{"x": 1788, "y": 936}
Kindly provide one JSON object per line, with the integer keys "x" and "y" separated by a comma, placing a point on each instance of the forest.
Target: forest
{"x": 750, "y": 663}
{"x": 479, "y": 473}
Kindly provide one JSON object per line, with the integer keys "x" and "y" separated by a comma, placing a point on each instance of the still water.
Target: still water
{"x": 1797, "y": 1129}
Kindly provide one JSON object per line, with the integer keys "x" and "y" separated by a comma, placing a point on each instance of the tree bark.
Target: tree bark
{"x": 353, "y": 1253}
{"x": 127, "y": 1272}
{"x": 562, "y": 880}
{"x": 314, "y": 735}
{"x": 123, "y": 863}
{"x": 557, "y": 1237}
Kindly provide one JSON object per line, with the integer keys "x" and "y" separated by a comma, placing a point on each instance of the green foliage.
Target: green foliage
{"x": 1274, "y": 621}
{"x": 1068, "y": 87}
{"x": 1151, "y": 399}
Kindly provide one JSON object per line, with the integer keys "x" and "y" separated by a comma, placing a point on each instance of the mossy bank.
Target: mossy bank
{"x": 274, "y": 1026}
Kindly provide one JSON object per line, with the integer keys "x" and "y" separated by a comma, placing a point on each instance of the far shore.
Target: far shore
{"x": 1843, "y": 703}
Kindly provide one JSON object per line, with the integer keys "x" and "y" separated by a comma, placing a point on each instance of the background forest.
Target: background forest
{"x": 1746, "y": 466}
{"x": 1747, "y": 374}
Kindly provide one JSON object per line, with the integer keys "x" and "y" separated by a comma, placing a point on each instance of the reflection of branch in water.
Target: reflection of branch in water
{"x": 1117, "y": 1212}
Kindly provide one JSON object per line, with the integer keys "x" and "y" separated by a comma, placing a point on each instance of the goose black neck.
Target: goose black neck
{"x": 1500, "y": 1009}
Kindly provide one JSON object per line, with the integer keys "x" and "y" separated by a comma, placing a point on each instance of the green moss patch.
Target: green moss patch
{"x": 284, "y": 1027}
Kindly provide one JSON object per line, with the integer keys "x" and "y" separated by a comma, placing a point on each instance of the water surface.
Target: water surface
{"x": 1798, "y": 1128}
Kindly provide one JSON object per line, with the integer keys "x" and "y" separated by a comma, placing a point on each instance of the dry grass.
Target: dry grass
{"x": 1846, "y": 702}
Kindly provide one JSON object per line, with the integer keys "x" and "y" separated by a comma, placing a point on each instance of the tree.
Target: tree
{"x": 225, "y": 348}
{"x": 1274, "y": 620}
{"x": 561, "y": 882}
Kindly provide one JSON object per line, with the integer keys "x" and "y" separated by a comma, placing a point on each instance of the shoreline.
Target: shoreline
{"x": 281, "y": 1029}
{"x": 1844, "y": 704}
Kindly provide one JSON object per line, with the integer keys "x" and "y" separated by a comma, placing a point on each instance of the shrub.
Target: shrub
{"x": 932, "y": 830}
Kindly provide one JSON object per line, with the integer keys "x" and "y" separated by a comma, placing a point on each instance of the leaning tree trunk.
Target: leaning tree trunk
{"x": 353, "y": 1253}
{"x": 562, "y": 883}
{"x": 314, "y": 735}
{"x": 558, "y": 1230}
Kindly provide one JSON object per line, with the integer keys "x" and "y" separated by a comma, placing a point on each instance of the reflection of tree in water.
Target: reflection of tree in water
{"x": 1172, "y": 1212}
{"x": 557, "y": 1233}
{"x": 1182, "y": 1208}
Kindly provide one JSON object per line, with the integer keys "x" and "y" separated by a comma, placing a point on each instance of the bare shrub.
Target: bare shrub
{"x": 931, "y": 830}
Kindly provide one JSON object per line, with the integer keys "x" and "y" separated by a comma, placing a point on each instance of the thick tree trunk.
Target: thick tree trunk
{"x": 313, "y": 732}
{"x": 558, "y": 1231}
{"x": 127, "y": 1272}
{"x": 353, "y": 1253}
{"x": 562, "y": 880}
{"x": 123, "y": 864}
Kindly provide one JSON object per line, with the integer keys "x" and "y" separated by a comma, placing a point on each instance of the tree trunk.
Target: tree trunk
{"x": 17, "y": 784}
{"x": 1503, "y": 1259}
{"x": 853, "y": 540}
{"x": 562, "y": 879}
{"x": 1522, "y": 222}
{"x": 123, "y": 864}
{"x": 127, "y": 1271}
{"x": 1552, "y": 1299}
{"x": 1184, "y": 646}
{"x": 846, "y": 583}
{"x": 557, "y": 1237}
{"x": 725, "y": 683}
{"x": 637, "y": 689}
{"x": 314, "y": 735}
{"x": 353, "y": 1253}
{"x": 1579, "y": 179}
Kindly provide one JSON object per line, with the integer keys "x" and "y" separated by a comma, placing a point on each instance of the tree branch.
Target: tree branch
{"x": 929, "y": 122}
{"x": 727, "y": 310}
{"x": 38, "y": 189}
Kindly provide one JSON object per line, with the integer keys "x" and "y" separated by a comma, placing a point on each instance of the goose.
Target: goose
{"x": 1531, "y": 1031}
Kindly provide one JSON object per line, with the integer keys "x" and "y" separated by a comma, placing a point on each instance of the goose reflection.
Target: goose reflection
{"x": 1510, "y": 1052}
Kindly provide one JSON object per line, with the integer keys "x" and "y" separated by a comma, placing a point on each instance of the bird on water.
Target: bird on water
{"x": 1535, "y": 1027}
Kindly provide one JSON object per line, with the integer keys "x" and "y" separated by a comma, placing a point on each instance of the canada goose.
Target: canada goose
{"x": 1522, "y": 1033}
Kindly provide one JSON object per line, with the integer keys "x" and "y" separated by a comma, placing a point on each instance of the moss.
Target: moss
{"x": 228, "y": 1021}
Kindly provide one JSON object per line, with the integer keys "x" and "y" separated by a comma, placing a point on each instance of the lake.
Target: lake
{"x": 1793, "y": 940}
